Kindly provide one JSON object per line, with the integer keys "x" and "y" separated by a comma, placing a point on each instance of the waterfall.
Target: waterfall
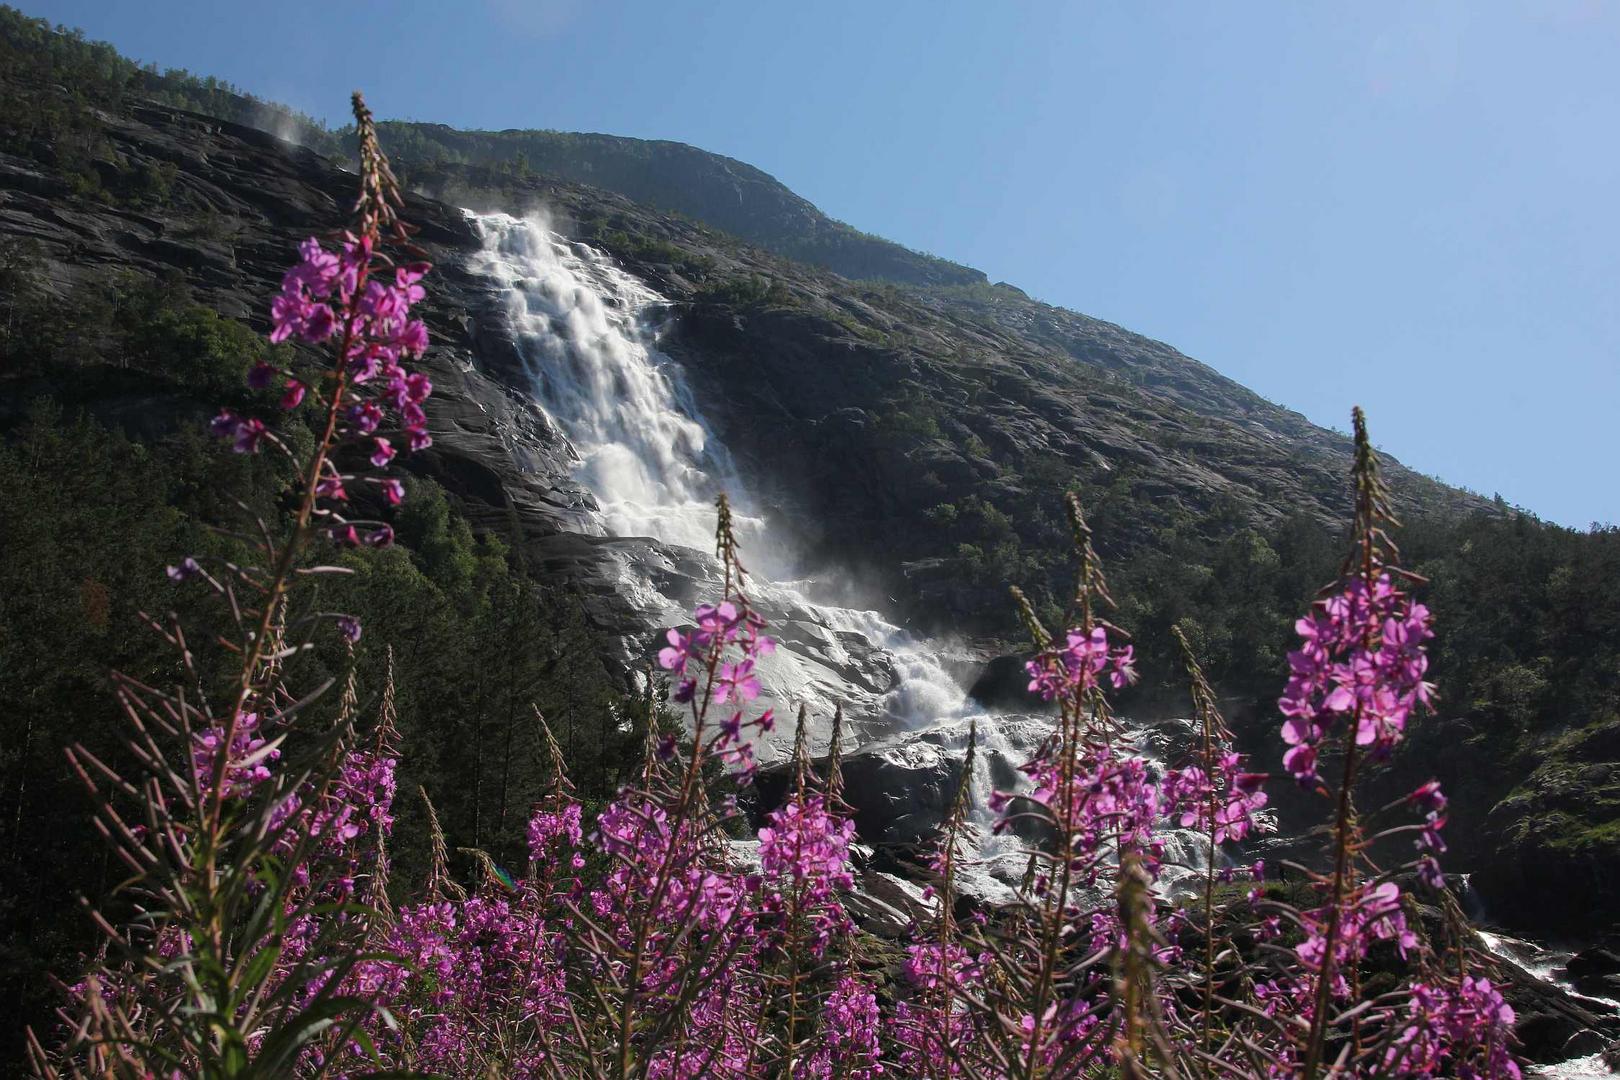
{"x": 585, "y": 337}
{"x": 587, "y": 332}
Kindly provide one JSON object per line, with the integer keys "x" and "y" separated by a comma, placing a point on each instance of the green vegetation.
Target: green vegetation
{"x": 106, "y": 476}
{"x": 53, "y": 81}
{"x": 745, "y": 290}
{"x": 640, "y": 248}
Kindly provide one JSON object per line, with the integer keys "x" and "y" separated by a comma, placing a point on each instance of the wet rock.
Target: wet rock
{"x": 884, "y": 903}
{"x": 1003, "y": 683}
{"x": 1551, "y": 1025}
{"x": 1598, "y": 961}
{"x": 1582, "y": 1044}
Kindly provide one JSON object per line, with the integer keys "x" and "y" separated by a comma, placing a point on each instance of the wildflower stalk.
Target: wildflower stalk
{"x": 1371, "y": 512}
{"x": 246, "y": 872}
{"x": 378, "y": 197}
{"x": 1210, "y": 728}
{"x": 679, "y": 816}
{"x": 801, "y": 772}
{"x": 944, "y": 1058}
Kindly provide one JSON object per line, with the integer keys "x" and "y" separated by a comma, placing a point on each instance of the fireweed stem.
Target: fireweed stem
{"x": 1342, "y": 824}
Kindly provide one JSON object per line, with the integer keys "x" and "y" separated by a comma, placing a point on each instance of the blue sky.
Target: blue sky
{"x": 1414, "y": 207}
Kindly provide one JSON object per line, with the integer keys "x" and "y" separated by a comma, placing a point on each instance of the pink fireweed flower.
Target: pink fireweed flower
{"x": 223, "y": 425}
{"x": 1429, "y": 797}
{"x": 1361, "y": 658}
{"x": 1462, "y": 1029}
{"x": 551, "y": 832}
{"x": 681, "y": 649}
{"x": 188, "y": 568}
{"x": 247, "y": 758}
{"x": 366, "y": 416}
{"x": 331, "y": 487}
{"x": 718, "y": 621}
{"x": 1429, "y": 872}
{"x": 736, "y": 682}
{"x": 807, "y": 843}
{"x": 248, "y": 435}
{"x": 853, "y": 1022}
{"x": 382, "y": 452}
{"x": 316, "y": 274}
{"x": 377, "y": 329}
{"x": 1111, "y": 797}
{"x": 1078, "y": 664}
{"x": 296, "y": 315}
{"x": 804, "y": 854}
{"x": 1236, "y": 797}
{"x": 1371, "y": 912}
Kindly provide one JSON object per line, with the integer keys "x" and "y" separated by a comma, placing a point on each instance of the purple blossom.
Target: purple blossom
{"x": 1362, "y": 659}
{"x": 223, "y": 426}
{"x": 187, "y": 569}
{"x": 1078, "y": 664}
{"x": 249, "y": 433}
{"x": 681, "y": 649}
{"x": 736, "y": 682}
{"x": 247, "y": 758}
{"x": 330, "y": 486}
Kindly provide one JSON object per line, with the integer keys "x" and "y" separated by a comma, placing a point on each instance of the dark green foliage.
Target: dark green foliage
{"x": 51, "y": 85}
{"x": 53, "y": 81}
{"x": 92, "y": 510}
{"x": 746, "y": 290}
{"x": 639, "y": 247}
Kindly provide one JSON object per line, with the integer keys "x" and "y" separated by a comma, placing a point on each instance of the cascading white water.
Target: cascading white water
{"x": 587, "y": 333}
{"x": 581, "y": 324}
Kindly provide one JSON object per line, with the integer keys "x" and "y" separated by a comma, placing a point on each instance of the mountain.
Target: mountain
{"x": 911, "y": 426}
{"x": 719, "y": 191}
